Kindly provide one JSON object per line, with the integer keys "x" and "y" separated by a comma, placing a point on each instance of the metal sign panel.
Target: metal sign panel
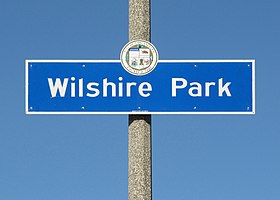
{"x": 173, "y": 87}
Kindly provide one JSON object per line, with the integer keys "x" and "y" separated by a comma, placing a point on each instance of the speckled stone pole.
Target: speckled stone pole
{"x": 139, "y": 130}
{"x": 139, "y": 20}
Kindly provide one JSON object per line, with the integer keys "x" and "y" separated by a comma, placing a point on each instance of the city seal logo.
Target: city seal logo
{"x": 139, "y": 57}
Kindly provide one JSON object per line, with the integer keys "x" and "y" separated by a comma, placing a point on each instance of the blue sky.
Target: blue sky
{"x": 80, "y": 157}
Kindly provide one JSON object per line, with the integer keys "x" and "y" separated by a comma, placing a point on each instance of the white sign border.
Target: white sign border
{"x": 142, "y": 112}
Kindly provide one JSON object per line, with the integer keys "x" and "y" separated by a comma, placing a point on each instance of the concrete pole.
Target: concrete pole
{"x": 139, "y": 130}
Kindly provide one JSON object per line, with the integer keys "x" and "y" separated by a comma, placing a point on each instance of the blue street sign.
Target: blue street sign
{"x": 173, "y": 87}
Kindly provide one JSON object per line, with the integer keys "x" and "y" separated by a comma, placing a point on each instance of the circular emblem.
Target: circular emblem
{"x": 139, "y": 57}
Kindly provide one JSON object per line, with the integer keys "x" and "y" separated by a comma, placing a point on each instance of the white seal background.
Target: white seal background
{"x": 139, "y": 72}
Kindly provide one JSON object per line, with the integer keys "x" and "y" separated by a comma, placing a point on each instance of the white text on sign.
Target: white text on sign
{"x": 58, "y": 88}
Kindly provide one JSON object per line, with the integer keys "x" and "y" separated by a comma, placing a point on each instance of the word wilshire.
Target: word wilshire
{"x": 94, "y": 88}
{"x": 58, "y": 88}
